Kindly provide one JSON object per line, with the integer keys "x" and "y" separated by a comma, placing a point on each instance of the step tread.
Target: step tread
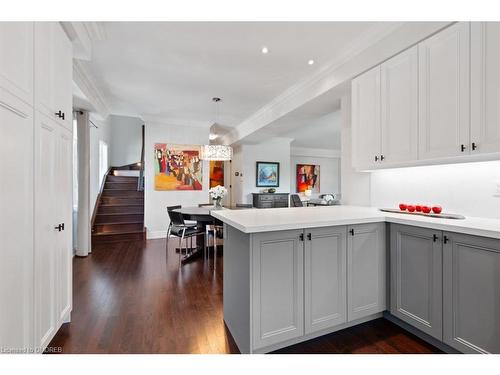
{"x": 120, "y": 205}
{"x": 120, "y": 222}
{"x": 117, "y": 213}
{"x": 103, "y": 234}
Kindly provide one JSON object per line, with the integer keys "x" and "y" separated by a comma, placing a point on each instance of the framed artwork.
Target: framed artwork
{"x": 267, "y": 174}
{"x": 178, "y": 167}
{"x": 307, "y": 178}
{"x": 216, "y": 173}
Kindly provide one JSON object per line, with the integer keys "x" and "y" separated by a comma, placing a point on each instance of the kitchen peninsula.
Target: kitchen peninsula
{"x": 297, "y": 273}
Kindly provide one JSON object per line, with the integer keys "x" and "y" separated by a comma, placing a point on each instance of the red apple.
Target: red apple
{"x": 418, "y": 208}
{"x": 426, "y": 209}
{"x": 411, "y": 208}
{"x": 402, "y": 207}
{"x": 437, "y": 209}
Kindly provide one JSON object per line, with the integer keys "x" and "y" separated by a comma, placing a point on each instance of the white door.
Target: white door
{"x": 399, "y": 88}
{"x": 63, "y": 65}
{"x": 54, "y": 69}
{"x": 444, "y": 93}
{"x": 366, "y": 270}
{"x": 366, "y": 129}
{"x": 16, "y": 222}
{"x": 16, "y": 59}
{"x": 64, "y": 252}
{"x": 46, "y": 218}
{"x": 485, "y": 87}
{"x": 324, "y": 278}
{"x": 277, "y": 287}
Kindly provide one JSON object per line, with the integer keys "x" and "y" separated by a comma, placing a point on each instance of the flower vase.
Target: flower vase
{"x": 218, "y": 204}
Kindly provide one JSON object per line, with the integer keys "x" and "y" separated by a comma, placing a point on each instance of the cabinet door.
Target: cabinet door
{"x": 16, "y": 222}
{"x": 64, "y": 204}
{"x": 325, "y": 278}
{"x": 16, "y": 59}
{"x": 63, "y": 65}
{"x": 416, "y": 278}
{"x": 366, "y": 270}
{"x": 53, "y": 67}
{"x": 444, "y": 93}
{"x": 485, "y": 87}
{"x": 472, "y": 293}
{"x": 46, "y": 215}
{"x": 366, "y": 119}
{"x": 399, "y": 81}
{"x": 277, "y": 287}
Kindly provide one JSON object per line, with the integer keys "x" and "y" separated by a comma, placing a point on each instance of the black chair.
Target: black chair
{"x": 213, "y": 230}
{"x": 180, "y": 229}
{"x": 296, "y": 202}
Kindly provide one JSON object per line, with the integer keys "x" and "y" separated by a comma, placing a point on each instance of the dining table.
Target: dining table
{"x": 203, "y": 218}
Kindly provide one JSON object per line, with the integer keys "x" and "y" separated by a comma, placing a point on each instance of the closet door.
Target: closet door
{"x": 46, "y": 214}
{"x": 16, "y": 59}
{"x": 64, "y": 204}
{"x": 444, "y": 93}
{"x": 63, "y": 65}
{"x": 16, "y": 222}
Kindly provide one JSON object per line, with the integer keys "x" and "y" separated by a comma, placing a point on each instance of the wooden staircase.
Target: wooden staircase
{"x": 119, "y": 213}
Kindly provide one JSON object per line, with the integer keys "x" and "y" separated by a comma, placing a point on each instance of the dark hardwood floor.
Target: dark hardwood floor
{"x": 129, "y": 297}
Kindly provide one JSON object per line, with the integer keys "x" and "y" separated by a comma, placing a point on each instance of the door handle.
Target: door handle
{"x": 434, "y": 237}
{"x": 382, "y": 157}
{"x": 376, "y": 158}
{"x": 462, "y": 148}
{"x": 301, "y": 237}
{"x": 474, "y": 146}
{"x": 351, "y": 231}
{"x": 445, "y": 239}
{"x": 309, "y": 236}
{"x": 60, "y": 227}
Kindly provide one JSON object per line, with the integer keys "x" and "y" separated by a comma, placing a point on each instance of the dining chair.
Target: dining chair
{"x": 189, "y": 223}
{"x": 180, "y": 229}
{"x": 211, "y": 230}
{"x": 296, "y": 202}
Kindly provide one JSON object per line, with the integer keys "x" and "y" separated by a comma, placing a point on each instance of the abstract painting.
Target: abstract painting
{"x": 307, "y": 178}
{"x": 178, "y": 167}
{"x": 267, "y": 174}
{"x": 216, "y": 173}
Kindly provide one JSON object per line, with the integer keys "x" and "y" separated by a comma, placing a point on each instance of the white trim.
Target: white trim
{"x": 151, "y": 235}
{"x": 375, "y": 48}
{"x": 175, "y": 121}
{"x": 314, "y": 152}
{"x": 86, "y": 83}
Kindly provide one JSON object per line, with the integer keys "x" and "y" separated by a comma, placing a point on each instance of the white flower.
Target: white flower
{"x": 217, "y": 192}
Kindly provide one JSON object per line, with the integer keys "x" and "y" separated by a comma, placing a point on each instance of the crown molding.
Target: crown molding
{"x": 314, "y": 152}
{"x": 82, "y": 34}
{"x": 86, "y": 83}
{"x": 172, "y": 121}
{"x": 380, "y": 43}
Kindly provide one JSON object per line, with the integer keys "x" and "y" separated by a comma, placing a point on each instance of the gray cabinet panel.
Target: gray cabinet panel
{"x": 325, "y": 278}
{"x": 472, "y": 293}
{"x": 277, "y": 287}
{"x": 366, "y": 270}
{"x": 416, "y": 277}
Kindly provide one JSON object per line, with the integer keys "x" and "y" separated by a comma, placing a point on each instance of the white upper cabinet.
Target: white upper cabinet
{"x": 444, "y": 93}
{"x": 366, "y": 119}
{"x": 53, "y": 72}
{"x": 16, "y": 59}
{"x": 399, "y": 100}
{"x": 485, "y": 87}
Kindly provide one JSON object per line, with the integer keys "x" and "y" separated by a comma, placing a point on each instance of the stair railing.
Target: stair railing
{"x": 140, "y": 181}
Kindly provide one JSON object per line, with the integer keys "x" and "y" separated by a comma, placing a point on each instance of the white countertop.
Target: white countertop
{"x": 273, "y": 219}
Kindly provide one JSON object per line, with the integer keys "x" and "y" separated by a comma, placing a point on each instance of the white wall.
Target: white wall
{"x": 156, "y": 202}
{"x": 102, "y": 133}
{"x": 244, "y": 161}
{"x": 127, "y": 140}
{"x": 329, "y": 169}
{"x": 460, "y": 188}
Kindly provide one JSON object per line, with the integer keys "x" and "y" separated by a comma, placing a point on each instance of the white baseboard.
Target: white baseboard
{"x": 153, "y": 234}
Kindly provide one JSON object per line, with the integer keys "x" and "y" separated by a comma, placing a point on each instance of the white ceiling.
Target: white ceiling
{"x": 171, "y": 70}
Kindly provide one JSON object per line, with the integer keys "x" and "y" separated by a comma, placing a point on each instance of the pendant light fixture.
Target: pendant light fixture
{"x": 216, "y": 152}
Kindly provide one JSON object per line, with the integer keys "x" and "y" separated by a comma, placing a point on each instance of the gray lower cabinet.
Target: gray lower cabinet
{"x": 277, "y": 287}
{"x": 416, "y": 278}
{"x": 324, "y": 278}
{"x": 366, "y": 270}
{"x": 471, "y": 289}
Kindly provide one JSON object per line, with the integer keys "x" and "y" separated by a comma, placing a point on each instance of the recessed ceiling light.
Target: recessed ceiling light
{"x": 310, "y": 62}
{"x": 265, "y": 50}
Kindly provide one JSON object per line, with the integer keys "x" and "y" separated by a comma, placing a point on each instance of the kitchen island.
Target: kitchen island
{"x": 292, "y": 274}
